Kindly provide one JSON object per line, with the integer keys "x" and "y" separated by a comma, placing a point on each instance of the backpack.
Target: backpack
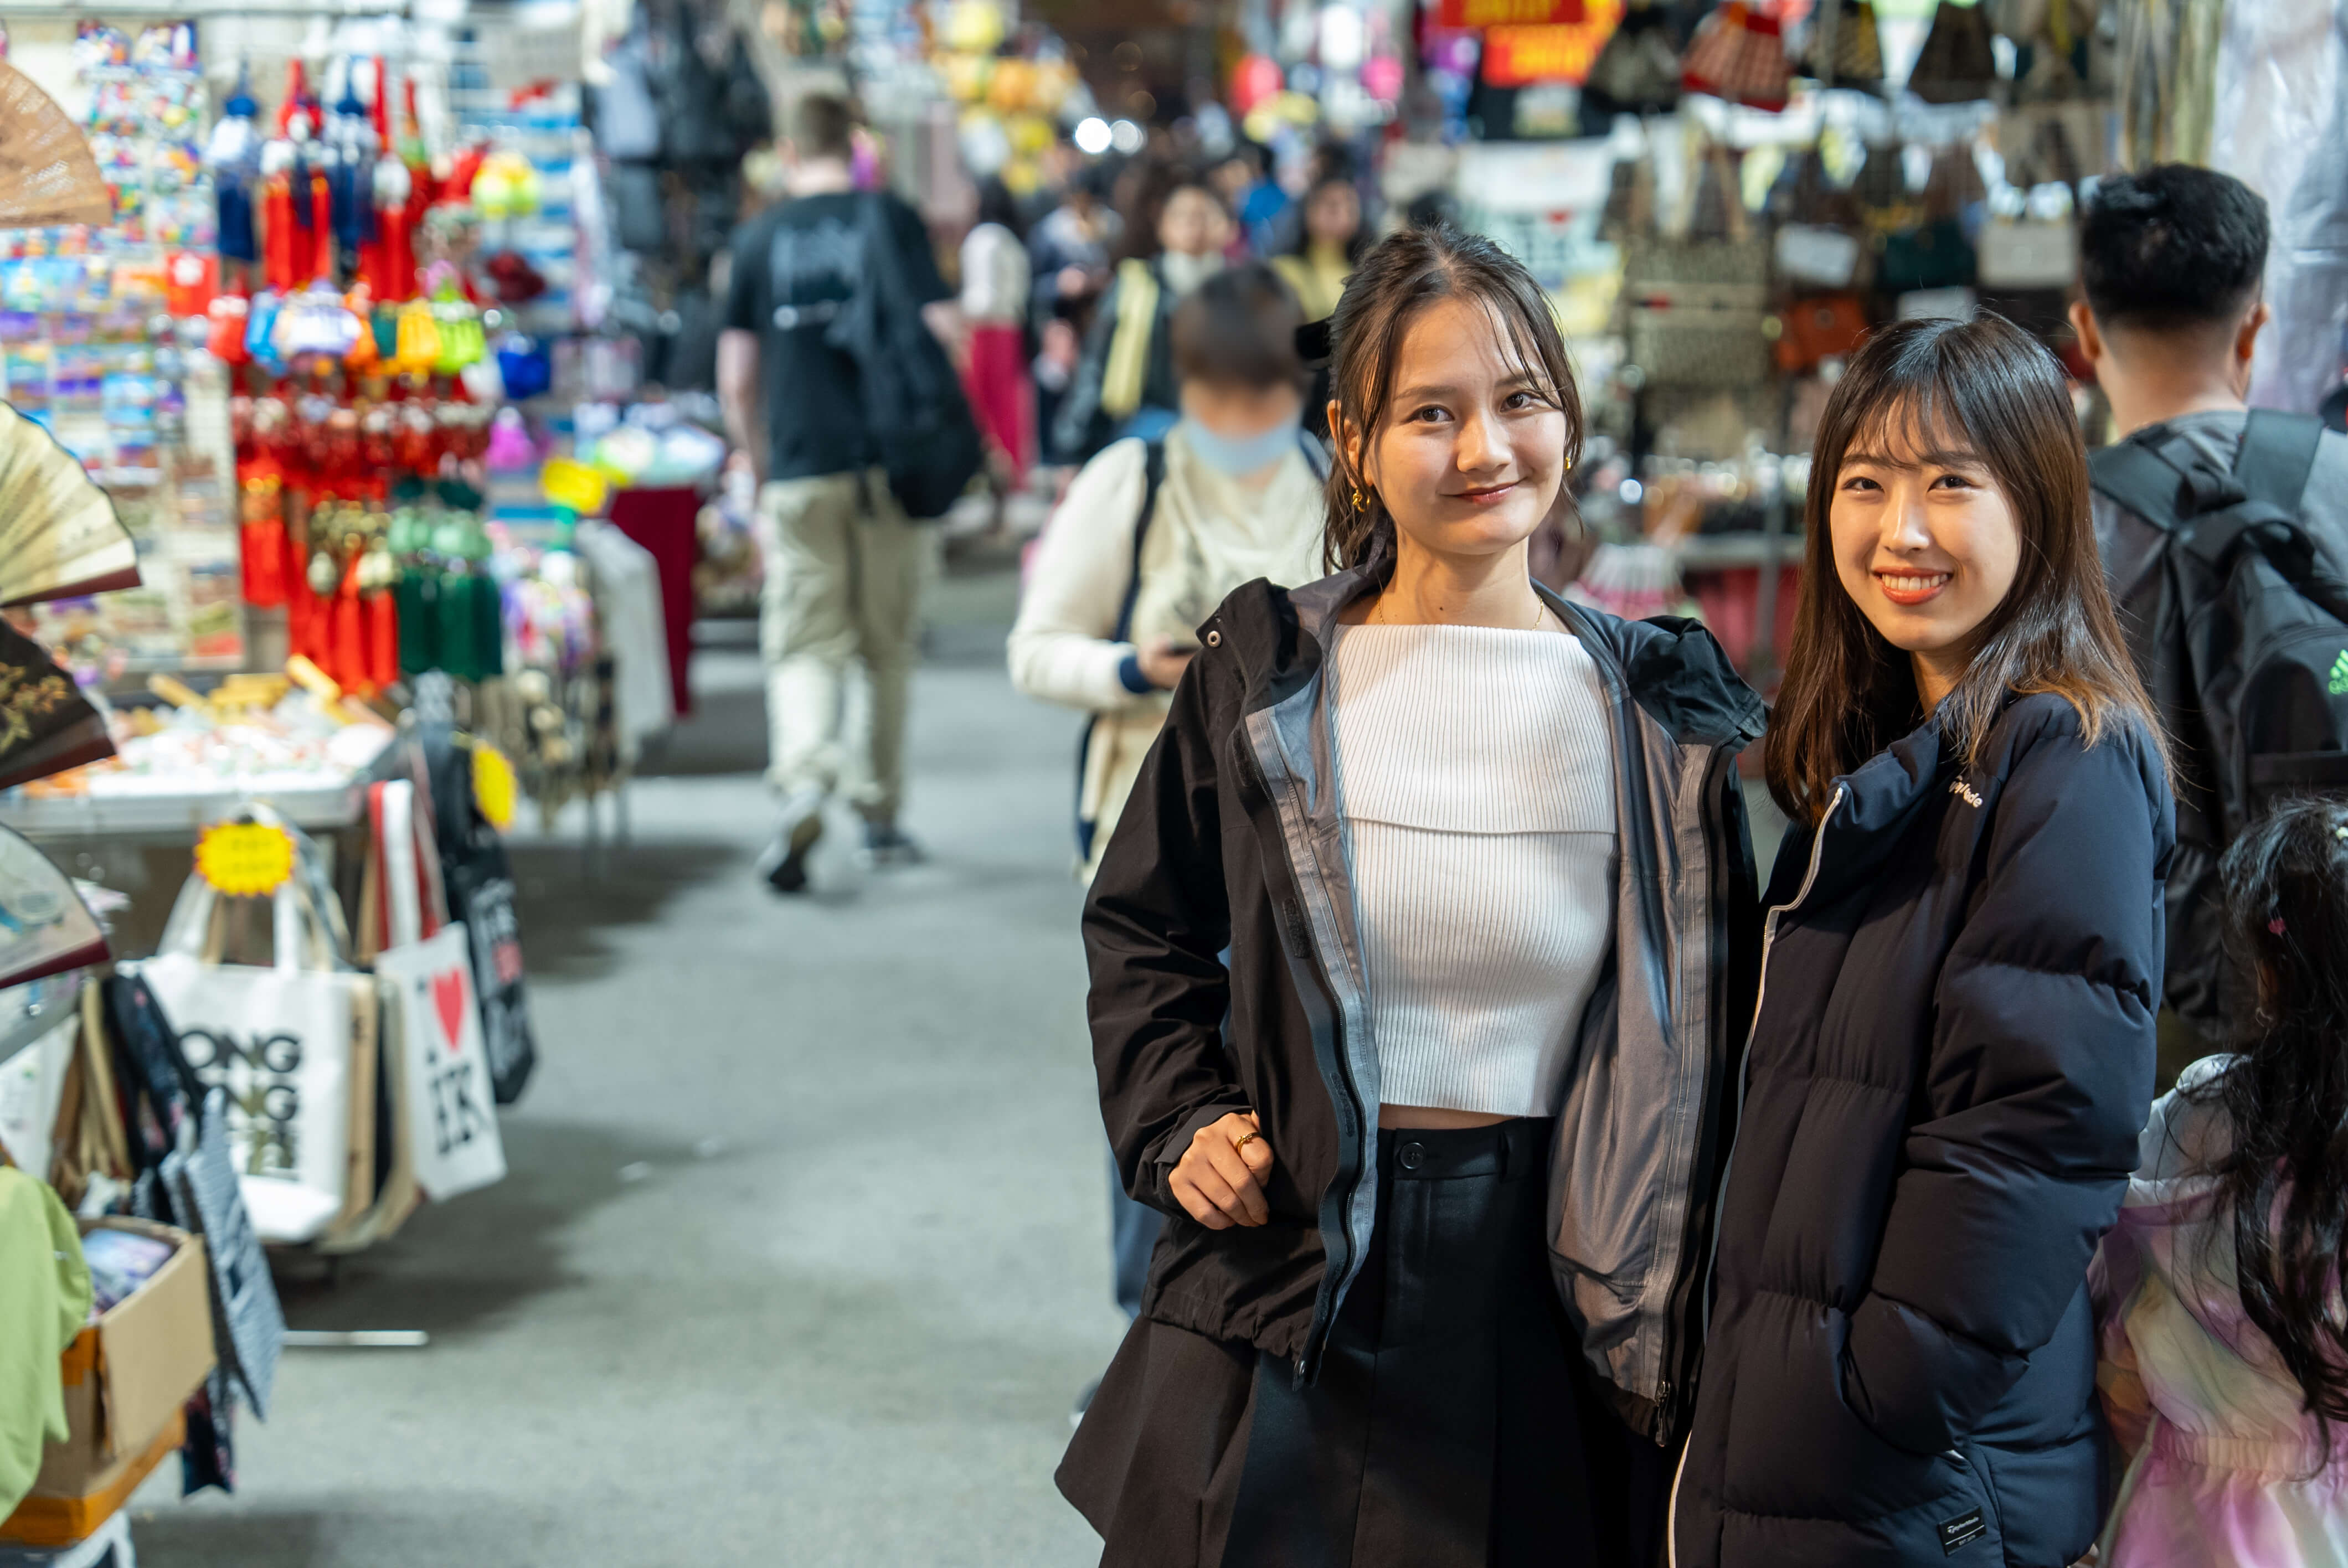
{"x": 915, "y": 407}
{"x": 2249, "y": 656}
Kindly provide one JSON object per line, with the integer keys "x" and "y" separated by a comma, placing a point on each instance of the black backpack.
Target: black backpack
{"x": 2249, "y": 655}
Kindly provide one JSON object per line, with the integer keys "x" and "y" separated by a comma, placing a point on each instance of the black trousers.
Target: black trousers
{"x": 1452, "y": 1425}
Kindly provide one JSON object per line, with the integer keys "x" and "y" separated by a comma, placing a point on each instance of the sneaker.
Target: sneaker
{"x": 783, "y": 863}
{"x": 886, "y": 844}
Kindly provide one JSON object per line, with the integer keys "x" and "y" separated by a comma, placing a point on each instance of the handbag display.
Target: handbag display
{"x": 1956, "y": 63}
{"x": 1694, "y": 306}
{"x": 2028, "y": 255}
{"x": 278, "y": 1040}
{"x": 1930, "y": 256}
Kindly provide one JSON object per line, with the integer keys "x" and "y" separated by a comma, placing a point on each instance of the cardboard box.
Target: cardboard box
{"x": 125, "y": 1377}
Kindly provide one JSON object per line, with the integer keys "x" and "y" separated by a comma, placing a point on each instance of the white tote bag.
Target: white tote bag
{"x": 278, "y": 1040}
{"x": 431, "y": 1018}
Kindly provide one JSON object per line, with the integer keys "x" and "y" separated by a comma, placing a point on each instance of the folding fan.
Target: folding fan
{"x": 47, "y": 175}
{"x": 46, "y": 725}
{"x": 45, "y": 927}
{"x": 59, "y": 537}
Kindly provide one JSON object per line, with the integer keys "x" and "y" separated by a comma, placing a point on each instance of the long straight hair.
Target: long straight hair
{"x": 1929, "y": 386}
{"x": 1402, "y": 275}
{"x": 2283, "y": 1181}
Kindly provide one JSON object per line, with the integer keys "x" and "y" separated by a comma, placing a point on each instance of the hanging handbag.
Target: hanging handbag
{"x": 1738, "y": 53}
{"x": 479, "y": 880}
{"x": 2028, "y": 255}
{"x": 278, "y": 1040}
{"x": 1857, "y": 45}
{"x": 1827, "y": 326}
{"x": 1637, "y": 71}
{"x": 1956, "y": 63}
{"x": 1696, "y": 305}
{"x": 431, "y": 1019}
{"x": 1931, "y": 255}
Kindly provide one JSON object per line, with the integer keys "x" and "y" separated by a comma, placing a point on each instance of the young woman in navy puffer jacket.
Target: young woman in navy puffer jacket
{"x": 1952, "y": 1051}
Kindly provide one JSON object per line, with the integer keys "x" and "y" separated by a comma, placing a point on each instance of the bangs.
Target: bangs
{"x": 1920, "y": 422}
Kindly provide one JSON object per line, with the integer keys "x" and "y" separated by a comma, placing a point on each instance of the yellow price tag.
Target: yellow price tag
{"x": 244, "y": 859}
{"x": 493, "y": 785}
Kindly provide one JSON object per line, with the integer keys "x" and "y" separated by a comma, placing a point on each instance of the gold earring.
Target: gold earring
{"x": 1357, "y": 497}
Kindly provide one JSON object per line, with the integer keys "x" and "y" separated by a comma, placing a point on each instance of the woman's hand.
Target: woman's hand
{"x": 1220, "y": 1178}
{"x": 1162, "y": 661}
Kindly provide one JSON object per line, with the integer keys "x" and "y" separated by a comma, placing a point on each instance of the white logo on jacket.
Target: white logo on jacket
{"x": 1964, "y": 791}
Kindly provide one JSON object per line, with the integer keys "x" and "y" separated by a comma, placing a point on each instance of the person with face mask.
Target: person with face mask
{"x": 1154, "y": 533}
{"x": 1125, "y": 383}
{"x": 1151, "y": 537}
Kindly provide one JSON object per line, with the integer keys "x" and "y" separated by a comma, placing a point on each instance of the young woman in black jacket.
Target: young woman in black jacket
{"x": 1416, "y": 958}
{"x": 1952, "y": 1049}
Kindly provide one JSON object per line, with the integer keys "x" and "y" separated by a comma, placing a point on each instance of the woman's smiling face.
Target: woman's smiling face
{"x": 1471, "y": 452}
{"x": 1925, "y": 544}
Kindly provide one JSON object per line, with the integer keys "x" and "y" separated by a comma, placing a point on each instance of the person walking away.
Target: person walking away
{"x": 1125, "y": 382}
{"x": 1392, "y": 950}
{"x": 1953, "y": 1048}
{"x": 994, "y": 286}
{"x": 1328, "y": 247}
{"x": 2224, "y": 1364}
{"x": 845, "y": 565}
{"x": 1151, "y": 537}
{"x": 2170, "y": 264}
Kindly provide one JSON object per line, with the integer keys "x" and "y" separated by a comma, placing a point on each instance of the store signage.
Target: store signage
{"x": 244, "y": 859}
{"x": 1600, "y": 14}
{"x": 1519, "y": 55}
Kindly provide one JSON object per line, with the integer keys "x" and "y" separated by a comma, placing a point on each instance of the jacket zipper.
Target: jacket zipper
{"x": 1728, "y": 1161}
{"x": 1296, "y": 937}
{"x": 1676, "y": 1380}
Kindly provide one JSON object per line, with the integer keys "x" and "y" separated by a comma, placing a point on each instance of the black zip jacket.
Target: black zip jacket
{"x": 1952, "y": 1058}
{"x": 1233, "y": 839}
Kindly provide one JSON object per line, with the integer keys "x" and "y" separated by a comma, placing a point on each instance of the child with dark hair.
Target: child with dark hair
{"x": 2224, "y": 1365}
{"x": 2170, "y": 263}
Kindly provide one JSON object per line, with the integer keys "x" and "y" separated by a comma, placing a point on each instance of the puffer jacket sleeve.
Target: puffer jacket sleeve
{"x": 1155, "y": 925}
{"x": 2040, "y": 1077}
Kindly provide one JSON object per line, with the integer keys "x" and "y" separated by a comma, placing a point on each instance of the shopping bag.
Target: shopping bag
{"x": 432, "y": 1021}
{"x": 248, "y": 1324}
{"x": 480, "y": 885}
{"x": 436, "y": 1028}
{"x": 278, "y": 1039}
{"x": 2028, "y": 255}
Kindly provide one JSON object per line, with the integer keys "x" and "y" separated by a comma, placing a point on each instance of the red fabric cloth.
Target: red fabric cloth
{"x": 663, "y": 521}
{"x": 1000, "y": 396}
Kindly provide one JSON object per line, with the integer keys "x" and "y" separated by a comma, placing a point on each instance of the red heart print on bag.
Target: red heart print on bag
{"x": 449, "y": 997}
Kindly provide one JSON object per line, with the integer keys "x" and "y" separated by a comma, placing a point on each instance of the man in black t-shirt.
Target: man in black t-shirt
{"x": 844, "y": 566}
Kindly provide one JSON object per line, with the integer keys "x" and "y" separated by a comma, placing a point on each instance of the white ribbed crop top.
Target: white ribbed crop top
{"x": 1476, "y": 774}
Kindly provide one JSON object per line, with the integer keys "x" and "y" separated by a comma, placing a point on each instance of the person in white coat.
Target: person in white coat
{"x": 1153, "y": 535}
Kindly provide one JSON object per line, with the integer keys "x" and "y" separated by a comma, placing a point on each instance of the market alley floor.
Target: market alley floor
{"x": 803, "y": 1256}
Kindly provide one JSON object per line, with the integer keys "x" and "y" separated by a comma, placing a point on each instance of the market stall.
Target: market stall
{"x": 294, "y": 321}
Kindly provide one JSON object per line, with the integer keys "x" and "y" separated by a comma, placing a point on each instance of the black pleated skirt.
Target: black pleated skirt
{"x": 1453, "y": 1426}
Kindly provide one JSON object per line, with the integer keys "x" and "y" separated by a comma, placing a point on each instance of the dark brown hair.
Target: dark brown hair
{"x": 2282, "y": 1179}
{"x": 823, "y": 125}
{"x": 1238, "y": 329}
{"x": 1403, "y": 273}
{"x": 1937, "y": 389}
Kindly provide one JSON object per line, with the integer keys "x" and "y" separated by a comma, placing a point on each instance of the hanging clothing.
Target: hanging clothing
{"x": 1085, "y": 612}
{"x": 45, "y": 1298}
{"x": 2228, "y": 1468}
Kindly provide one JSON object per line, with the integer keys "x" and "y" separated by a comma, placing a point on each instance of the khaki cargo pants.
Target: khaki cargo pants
{"x": 844, "y": 573}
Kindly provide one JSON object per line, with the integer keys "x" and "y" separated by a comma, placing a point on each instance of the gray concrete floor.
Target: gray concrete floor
{"x": 804, "y": 1251}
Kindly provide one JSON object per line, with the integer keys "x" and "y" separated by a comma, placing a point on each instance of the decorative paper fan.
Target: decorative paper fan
{"x": 46, "y": 725}
{"x": 47, "y": 175}
{"x": 59, "y": 534}
{"x": 45, "y": 927}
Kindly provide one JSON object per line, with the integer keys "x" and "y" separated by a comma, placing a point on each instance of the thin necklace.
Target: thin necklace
{"x": 1540, "y": 614}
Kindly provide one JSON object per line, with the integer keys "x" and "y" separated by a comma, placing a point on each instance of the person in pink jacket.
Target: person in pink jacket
{"x": 2224, "y": 1353}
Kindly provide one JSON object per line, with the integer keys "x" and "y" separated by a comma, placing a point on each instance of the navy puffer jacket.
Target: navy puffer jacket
{"x": 1952, "y": 1058}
